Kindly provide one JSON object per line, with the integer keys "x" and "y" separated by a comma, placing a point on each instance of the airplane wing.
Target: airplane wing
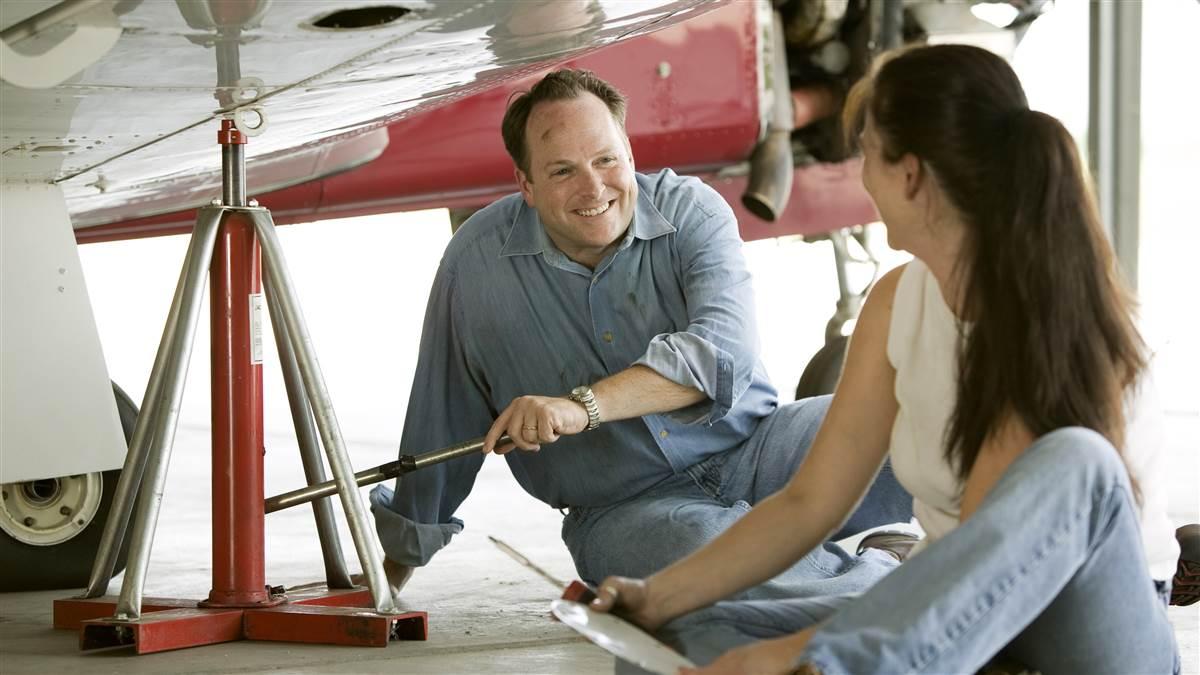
{"x": 109, "y": 108}
{"x": 132, "y": 134}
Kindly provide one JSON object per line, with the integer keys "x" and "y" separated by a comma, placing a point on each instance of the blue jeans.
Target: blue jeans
{"x": 642, "y": 535}
{"x": 1049, "y": 571}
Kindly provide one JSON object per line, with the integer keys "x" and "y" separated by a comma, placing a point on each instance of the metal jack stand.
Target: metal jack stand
{"x": 240, "y": 604}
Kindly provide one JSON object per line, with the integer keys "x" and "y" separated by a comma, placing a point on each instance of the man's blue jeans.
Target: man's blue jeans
{"x": 644, "y": 534}
{"x": 1049, "y": 570}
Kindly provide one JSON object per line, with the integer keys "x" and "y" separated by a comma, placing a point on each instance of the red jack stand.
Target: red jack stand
{"x": 317, "y": 615}
{"x": 235, "y": 237}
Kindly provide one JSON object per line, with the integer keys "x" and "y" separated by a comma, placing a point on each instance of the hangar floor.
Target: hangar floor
{"x": 487, "y": 613}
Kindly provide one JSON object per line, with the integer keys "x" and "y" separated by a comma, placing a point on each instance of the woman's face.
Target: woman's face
{"x": 902, "y": 192}
{"x": 886, "y": 182}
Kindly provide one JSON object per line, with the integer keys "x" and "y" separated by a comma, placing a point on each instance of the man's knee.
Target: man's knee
{"x": 781, "y": 442}
{"x": 667, "y": 530}
{"x": 808, "y": 411}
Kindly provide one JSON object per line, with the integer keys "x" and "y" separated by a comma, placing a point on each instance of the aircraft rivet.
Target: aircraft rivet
{"x": 28, "y": 521}
{"x": 253, "y": 202}
{"x": 80, "y": 522}
{"x": 66, "y": 510}
{"x": 62, "y": 289}
{"x": 62, "y": 270}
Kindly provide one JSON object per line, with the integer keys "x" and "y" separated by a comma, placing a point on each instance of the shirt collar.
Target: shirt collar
{"x": 528, "y": 235}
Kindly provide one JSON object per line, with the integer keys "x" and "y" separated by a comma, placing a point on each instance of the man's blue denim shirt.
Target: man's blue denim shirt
{"x": 509, "y": 315}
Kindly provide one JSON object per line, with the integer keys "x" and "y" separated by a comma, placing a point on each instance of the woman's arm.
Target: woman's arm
{"x": 845, "y": 456}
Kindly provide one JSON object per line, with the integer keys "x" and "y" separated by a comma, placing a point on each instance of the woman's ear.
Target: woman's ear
{"x": 914, "y": 174}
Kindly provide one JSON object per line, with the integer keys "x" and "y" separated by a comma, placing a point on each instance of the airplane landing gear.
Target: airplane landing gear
{"x": 52, "y": 527}
{"x": 821, "y": 375}
{"x": 823, "y": 371}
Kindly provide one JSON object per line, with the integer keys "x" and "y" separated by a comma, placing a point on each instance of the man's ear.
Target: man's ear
{"x": 914, "y": 174}
{"x": 524, "y": 183}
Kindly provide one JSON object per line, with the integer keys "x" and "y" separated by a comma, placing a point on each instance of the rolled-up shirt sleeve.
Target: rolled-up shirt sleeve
{"x": 446, "y": 406}
{"x": 718, "y": 350}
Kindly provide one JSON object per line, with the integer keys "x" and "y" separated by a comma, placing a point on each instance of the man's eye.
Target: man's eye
{"x": 608, "y": 161}
{"x": 560, "y": 172}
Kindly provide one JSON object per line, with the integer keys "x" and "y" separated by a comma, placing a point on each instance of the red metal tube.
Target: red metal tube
{"x": 237, "y": 419}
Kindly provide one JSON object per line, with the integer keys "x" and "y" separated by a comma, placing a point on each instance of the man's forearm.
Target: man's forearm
{"x": 638, "y": 391}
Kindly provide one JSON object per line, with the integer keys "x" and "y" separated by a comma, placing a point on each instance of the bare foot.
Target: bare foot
{"x": 397, "y": 576}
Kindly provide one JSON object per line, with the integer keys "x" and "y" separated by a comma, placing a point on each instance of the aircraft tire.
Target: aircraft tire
{"x": 822, "y": 372}
{"x": 67, "y": 564}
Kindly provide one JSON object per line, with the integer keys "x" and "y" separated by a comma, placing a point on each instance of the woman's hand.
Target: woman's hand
{"x": 768, "y": 657}
{"x": 629, "y": 598}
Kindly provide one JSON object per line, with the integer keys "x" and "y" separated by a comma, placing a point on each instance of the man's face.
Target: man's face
{"x": 580, "y": 177}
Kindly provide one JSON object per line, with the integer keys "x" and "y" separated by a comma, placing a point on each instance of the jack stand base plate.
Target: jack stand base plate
{"x": 312, "y": 614}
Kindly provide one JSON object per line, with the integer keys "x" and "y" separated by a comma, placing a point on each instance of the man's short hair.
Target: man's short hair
{"x": 559, "y": 85}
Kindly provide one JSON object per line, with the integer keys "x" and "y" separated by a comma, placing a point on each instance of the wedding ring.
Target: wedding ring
{"x": 529, "y": 428}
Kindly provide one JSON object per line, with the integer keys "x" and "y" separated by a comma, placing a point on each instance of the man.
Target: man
{"x": 606, "y": 318}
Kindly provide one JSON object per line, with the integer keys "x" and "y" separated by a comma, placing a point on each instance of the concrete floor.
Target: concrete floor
{"x": 487, "y": 613}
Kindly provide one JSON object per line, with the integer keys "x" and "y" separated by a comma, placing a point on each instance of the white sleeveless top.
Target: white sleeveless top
{"x": 922, "y": 347}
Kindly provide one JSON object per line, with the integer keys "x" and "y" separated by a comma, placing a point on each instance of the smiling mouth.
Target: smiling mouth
{"x": 592, "y": 213}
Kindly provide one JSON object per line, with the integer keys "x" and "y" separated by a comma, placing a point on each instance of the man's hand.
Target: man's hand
{"x": 531, "y": 421}
{"x": 629, "y": 598}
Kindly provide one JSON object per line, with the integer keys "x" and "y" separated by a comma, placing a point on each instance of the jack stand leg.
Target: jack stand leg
{"x": 365, "y": 542}
{"x": 165, "y": 419}
{"x": 310, "y": 454}
{"x": 135, "y": 461}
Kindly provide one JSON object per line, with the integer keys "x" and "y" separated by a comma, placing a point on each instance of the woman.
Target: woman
{"x": 1002, "y": 371}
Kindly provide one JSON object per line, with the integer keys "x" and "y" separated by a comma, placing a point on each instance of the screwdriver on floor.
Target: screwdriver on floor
{"x": 576, "y": 590}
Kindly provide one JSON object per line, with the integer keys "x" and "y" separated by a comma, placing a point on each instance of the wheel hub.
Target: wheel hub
{"x": 50, "y": 511}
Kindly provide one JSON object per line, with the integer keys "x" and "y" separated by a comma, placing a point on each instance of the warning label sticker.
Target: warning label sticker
{"x": 256, "y": 328}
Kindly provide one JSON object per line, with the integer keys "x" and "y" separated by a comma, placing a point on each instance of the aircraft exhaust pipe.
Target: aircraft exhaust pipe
{"x": 770, "y": 182}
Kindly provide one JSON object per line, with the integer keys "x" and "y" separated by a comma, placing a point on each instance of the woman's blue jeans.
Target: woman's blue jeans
{"x": 1049, "y": 571}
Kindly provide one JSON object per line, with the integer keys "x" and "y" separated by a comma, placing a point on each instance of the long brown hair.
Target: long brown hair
{"x": 1052, "y": 339}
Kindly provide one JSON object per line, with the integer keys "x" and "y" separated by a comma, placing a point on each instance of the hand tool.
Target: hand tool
{"x": 405, "y": 464}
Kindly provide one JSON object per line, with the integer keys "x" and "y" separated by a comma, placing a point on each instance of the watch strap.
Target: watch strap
{"x": 583, "y": 395}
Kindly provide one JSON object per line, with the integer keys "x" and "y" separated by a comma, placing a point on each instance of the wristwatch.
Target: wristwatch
{"x": 583, "y": 396}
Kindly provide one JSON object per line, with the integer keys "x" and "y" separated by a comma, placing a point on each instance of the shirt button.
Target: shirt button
{"x": 664, "y": 433}
{"x": 607, "y": 336}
